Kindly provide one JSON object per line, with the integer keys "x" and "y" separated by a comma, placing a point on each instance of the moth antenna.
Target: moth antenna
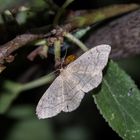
{"x": 63, "y": 59}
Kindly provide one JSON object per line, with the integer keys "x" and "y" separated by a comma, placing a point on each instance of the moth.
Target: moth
{"x": 79, "y": 77}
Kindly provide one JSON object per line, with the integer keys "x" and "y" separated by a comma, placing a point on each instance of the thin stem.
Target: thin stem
{"x": 57, "y": 50}
{"x": 51, "y": 5}
{"x": 61, "y": 11}
{"x": 39, "y": 82}
{"x": 76, "y": 41}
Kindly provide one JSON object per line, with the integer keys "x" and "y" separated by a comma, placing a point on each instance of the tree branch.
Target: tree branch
{"x": 7, "y": 49}
{"x": 123, "y": 34}
{"x": 16, "y": 43}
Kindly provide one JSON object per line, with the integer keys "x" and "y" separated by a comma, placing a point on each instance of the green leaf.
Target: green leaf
{"x": 119, "y": 102}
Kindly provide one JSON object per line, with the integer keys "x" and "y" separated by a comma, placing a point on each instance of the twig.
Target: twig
{"x": 16, "y": 43}
{"x": 34, "y": 53}
{"x": 22, "y": 40}
{"x": 76, "y": 41}
{"x": 39, "y": 82}
{"x": 51, "y": 5}
{"x": 57, "y": 52}
{"x": 101, "y": 14}
{"x": 61, "y": 11}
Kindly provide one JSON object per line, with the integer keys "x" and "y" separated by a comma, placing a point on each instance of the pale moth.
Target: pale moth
{"x": 78, "y": 78}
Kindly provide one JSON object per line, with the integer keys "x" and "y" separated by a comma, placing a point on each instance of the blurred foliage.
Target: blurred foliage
{"x": 28, "y": 127}
{"x": 9, "y": 93}
{"x": 73, "y": 134}
{"x": 8, "y": 4}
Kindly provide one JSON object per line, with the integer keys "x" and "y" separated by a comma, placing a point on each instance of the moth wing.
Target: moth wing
{"x": 72, "y": 94}
{"x": 51, "y": 102}
{"x": 87, "y": 69}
